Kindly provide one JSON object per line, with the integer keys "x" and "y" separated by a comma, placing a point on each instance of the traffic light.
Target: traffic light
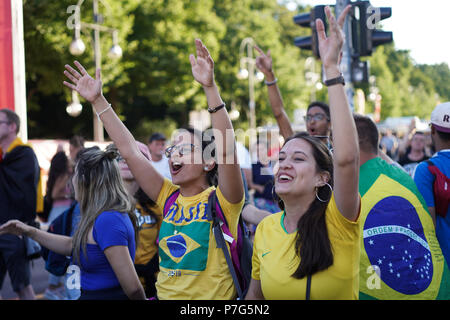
{"x": 364, "y": 35}
{"x": 359, "y": 71}
{"x": 308, "y": 20}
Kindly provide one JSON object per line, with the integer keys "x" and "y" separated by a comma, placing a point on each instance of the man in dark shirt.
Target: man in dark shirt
{"x": 19, "y": 178}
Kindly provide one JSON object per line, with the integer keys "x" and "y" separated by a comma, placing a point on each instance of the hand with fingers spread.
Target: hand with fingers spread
{"x": 203, "y": 65}
{"x": 83, "y": 83}
{"x": 330, "y": 47}
{"x": 264, "y": 61}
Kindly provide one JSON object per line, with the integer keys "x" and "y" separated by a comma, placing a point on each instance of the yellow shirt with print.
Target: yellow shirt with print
{"x": 148, "y": 234}
{"x": 274, "y": 260}
{"x": 191, "y": 265}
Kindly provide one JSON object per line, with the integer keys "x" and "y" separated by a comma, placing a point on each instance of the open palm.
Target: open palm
{"x": 88, "y": 87}
{"x": 203, "y": 66}
{"x": 330, "y": 47}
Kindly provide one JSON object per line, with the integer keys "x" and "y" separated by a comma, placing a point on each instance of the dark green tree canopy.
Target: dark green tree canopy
{"x": 151, "y": 86}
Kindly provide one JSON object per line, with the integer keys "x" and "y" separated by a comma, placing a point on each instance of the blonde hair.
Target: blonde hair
{"x": 99, "y": 187}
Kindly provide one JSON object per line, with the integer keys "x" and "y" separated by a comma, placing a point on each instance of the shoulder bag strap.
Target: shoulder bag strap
{"x": 220, "y": 241}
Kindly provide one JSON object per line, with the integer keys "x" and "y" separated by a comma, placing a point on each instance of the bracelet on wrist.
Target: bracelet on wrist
{"x": 271, "y": 83}
{"x": 215, "y": 109}
{"x": 338, "y": 80}
{"x": 103, "y": 111}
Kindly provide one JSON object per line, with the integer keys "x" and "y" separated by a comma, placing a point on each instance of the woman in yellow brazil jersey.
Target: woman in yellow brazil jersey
{"x": 191, "y": 267}
{"x": 311, "y": 249}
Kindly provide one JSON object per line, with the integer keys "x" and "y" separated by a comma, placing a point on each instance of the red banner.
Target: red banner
{"x": 6, "y": 57}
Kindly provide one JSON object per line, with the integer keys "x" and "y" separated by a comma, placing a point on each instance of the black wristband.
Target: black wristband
{"x": 215, "y": 109}
{"x": 337, "y": 80}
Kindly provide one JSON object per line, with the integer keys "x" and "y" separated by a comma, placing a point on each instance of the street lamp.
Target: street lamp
{"x": 234, "y": 113}
{"x": 247, "y": 70}
{"x": 77, "y": 47}
{"x": 116, "y": 51}
{"x": 74, "y": 108}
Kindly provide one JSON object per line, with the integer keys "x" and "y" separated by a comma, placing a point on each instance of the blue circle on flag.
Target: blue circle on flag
{"x": 176, "y": 245}
{"x": 394, "y": 241}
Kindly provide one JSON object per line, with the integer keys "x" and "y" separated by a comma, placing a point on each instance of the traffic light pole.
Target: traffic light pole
{"x": 346, "y": 63}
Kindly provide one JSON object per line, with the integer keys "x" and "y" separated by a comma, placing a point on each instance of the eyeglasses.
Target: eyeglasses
{"x": 2, "y": 121}
{"x": 183, "y": 149}
{"x": 316, "y": 117}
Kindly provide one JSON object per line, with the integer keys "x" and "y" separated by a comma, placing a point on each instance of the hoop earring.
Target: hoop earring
{"x": 331, "y": 192}
{"x": 274, "y": 195}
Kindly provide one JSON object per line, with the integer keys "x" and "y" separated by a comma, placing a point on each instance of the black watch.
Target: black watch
{"x": 215, "y": 109}
{"x": 337, "y": 80}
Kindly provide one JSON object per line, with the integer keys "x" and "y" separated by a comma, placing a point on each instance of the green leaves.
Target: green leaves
{"x": 152, "y": 83}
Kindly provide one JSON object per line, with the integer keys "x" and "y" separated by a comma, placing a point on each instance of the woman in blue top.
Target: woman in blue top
{"x": 104, "y": 243}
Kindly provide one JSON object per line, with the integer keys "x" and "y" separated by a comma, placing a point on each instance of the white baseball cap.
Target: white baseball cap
{"x": 440, "y": 117}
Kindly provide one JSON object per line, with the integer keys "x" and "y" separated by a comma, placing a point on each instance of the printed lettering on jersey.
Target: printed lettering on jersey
{"x": 184, "y": 238}
{"x": 145, "y": 221}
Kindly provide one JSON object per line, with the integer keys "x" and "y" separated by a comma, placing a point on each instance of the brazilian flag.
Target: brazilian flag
{"x": 400, "y": 255}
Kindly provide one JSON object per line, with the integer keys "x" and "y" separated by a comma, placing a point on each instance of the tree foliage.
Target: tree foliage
{"x": 151, "y": 86}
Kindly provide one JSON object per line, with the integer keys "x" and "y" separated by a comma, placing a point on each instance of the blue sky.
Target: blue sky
{"x": 423, "y": 27}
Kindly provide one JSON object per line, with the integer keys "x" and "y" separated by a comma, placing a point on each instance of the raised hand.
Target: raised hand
{"x": 263, "y": 61}
{"x": 83, "y": 83}
{"x": 203, "y": 66}
{"x": 330, "y": 47}
{"x": 15, "y": 227}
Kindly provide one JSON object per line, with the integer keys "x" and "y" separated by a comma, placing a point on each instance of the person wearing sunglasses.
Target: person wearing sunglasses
{"x": 191, "y": 267}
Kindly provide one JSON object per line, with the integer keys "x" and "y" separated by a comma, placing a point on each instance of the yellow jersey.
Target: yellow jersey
{"x": 274, "y": 260}
{"x": 191, "y": 266}
{"x": 148, "y": 234}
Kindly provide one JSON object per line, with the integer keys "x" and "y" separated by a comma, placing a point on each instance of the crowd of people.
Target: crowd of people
{"x": 334, "y": 215}
{"x": 414, "y": 147}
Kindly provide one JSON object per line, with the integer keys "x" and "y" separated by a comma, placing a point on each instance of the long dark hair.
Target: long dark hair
{"x": 312, "y": 243}
{"x": 59, "y": 166}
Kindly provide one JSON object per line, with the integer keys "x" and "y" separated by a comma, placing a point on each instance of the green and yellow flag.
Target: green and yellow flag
{"x": 400, "y": 255}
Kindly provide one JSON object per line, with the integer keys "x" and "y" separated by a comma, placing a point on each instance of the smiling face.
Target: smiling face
{"x": 298, "y": 173}
{"x": 185, "y": 160}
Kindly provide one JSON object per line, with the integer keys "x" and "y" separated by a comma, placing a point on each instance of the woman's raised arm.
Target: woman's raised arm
{"x": 345, "y": 138}
{"x": 264, "y": 64}
{"x": 91, "y": 89}
{"x": 230, "y": 179}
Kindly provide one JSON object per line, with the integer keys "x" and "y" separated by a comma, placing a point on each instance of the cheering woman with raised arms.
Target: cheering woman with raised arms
{"x": 191, "y": 267}
{"x": 310, "y": 250}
